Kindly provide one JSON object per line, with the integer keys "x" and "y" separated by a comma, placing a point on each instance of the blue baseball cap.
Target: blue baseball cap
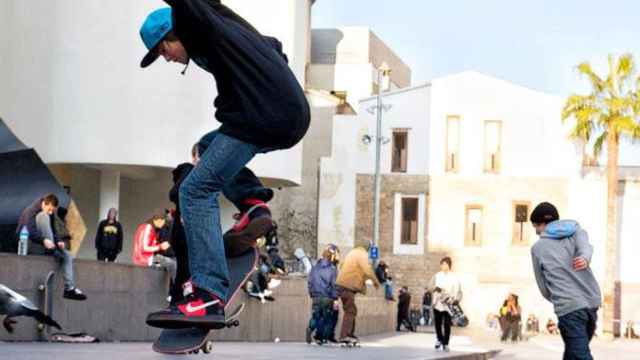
{"x": 155, "y": 27}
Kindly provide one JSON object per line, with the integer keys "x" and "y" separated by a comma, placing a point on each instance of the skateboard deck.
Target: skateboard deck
{"x": 46, "y": 300}
{"x": 192, "y": 340}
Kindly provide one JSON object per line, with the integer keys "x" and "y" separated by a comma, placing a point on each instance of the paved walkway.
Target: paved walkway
{"x": 403, "y": 346}
{"x": 393, "y": 346}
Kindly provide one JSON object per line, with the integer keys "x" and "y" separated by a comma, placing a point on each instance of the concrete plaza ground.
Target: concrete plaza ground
{"x": 417, "y": 346}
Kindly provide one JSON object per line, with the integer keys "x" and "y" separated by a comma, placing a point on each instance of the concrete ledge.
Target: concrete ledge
{"x": 120, "y": 296}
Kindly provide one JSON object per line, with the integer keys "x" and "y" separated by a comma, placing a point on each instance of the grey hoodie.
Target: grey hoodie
{"x": 567, "y": 289}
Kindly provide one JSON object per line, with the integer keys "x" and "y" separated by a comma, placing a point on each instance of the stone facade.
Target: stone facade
{"x": 413, "y": 271}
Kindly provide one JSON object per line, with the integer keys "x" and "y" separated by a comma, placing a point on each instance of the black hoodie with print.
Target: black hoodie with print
{"x": 109, "y": 236}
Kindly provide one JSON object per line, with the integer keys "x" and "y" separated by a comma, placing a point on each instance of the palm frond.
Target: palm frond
{"x": 586, "y": 70}
{"x": 597, "y": 146}
{"x": 625, "y": 67}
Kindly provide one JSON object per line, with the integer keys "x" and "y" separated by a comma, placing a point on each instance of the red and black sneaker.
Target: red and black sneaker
{"x": 201, "y": 309}
{"x": 251, "y": 225}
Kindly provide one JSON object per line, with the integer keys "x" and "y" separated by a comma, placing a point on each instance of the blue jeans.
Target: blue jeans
{"x": 322, "y": 317}
{"x": 224, "y": 158}
{"x": 388, "y": 289}
{"x": 577, "y": 329}
{"x": 244, "y": 185}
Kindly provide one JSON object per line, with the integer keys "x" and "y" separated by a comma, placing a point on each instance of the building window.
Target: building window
{"x": 399, "y": 156}
{"x": 473, "y": 233}
{"x": 453, "y": 144}
{"x": 409, "y": 232}
{"x": 492, "y": 146}
{"x": 521, "y": 229}
{"x": 409, "y": 224}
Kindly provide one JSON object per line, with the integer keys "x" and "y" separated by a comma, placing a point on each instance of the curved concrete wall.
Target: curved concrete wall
{"x": 120, "y": 296}
{"x": 72, "y": 88}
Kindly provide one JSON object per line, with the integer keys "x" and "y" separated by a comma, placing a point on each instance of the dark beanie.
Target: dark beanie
{"x": 544, "y": 213}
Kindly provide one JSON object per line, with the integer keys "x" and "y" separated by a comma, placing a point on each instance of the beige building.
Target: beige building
{"x": 468, "y": 156}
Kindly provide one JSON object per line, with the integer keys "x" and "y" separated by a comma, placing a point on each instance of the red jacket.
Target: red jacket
{"x": 145, "y": 244}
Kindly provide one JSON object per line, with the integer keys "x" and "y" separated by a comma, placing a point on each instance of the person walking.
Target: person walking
{"x": 446, "y": 292}
{"x": 404, "y": 302}
{"x": 561, "y": 264}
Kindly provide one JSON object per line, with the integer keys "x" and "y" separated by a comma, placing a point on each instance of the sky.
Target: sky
{"x": 534, "y": 43}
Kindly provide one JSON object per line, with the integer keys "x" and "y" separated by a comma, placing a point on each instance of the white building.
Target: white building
{"x": 72, "y": 89}
{"x": 468, "y": 158}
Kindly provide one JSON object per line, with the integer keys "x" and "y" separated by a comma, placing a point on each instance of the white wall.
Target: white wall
{"x": 356, "y": 79}
{"x": 534, "y": 142}
{"x": 409, "y": 110}
{"x": 337, "y": 186}
{"x": 630, "y": 233}
{"x": 72, "y": 87}
{"x": 288, "y": 20}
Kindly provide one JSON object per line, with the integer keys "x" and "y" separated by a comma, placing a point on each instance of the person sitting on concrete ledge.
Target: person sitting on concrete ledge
{"x": 49, "y": 236}
{"x": 150, "y": 250}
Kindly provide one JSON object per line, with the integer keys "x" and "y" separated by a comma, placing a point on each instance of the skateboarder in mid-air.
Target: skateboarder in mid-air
{"x": 262, "y": 108}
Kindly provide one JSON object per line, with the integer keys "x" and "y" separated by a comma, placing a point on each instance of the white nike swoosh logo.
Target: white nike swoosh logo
{"x": 191, "y": 309}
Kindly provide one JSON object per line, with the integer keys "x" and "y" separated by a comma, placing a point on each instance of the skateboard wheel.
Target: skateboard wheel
{"x": 196, "y": 351}
{"x": 41, "y": 287}
{"x": 40, "y": 327}
{"x": 208, "y": 347}
{"x": 236, "y": 323}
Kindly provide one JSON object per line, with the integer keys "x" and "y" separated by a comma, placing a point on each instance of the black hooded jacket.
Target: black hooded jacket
{"x": 109, "y": 236}
{"x": 259, "y": 99}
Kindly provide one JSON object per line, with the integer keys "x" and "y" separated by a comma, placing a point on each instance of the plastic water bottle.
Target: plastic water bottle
{"x": 23, "y": 244}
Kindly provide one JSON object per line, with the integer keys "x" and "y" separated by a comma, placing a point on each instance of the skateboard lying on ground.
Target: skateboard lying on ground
{"x": 192, "y": 340}
{"x": 46, "y": 301}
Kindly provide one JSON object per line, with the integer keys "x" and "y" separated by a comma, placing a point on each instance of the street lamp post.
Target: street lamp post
{"x": 383, "y": 84}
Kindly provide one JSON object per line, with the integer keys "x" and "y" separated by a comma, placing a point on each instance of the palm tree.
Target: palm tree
{"x": 608, "y": 114}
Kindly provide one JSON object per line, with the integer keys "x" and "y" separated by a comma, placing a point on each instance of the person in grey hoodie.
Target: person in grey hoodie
{"x": 561, "y": 264}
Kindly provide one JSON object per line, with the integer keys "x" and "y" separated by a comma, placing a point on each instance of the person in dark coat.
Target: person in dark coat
{"x": 323, "y": 293}
{"x": 109, "y": 237}
{"x": 261, "y": 107}
{"x": 404, "y": 302}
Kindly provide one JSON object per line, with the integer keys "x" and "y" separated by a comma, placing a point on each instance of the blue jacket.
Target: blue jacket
{"x": 322, "y": 280}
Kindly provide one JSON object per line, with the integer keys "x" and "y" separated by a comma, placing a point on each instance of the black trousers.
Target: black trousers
{"x": 442, "y": 321}
{"x": 108, "y": 255}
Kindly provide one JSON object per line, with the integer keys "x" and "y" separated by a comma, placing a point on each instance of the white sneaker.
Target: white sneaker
{"x": 445, "y": 348}
{"x": 438, "y": 345}
{"x": 274, "y": 283}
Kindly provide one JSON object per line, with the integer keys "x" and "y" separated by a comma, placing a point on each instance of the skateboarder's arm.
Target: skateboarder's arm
{"x": 537, "y": 270}
{"x": 332, "y": 284}
{"x": 583, "y": 247}
{"x": 208, "y": 16}
{"x": 367, "y": 269}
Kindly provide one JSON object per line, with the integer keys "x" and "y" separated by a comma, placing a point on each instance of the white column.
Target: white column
{"x": 109, "y": 192}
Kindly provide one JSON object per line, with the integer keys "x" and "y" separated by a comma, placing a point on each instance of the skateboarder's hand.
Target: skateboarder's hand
{"x": 49, "y": 244}
{"x": 580, "y": 263}
{"x": 61, "y": 245}
{"x": 164, "y": 246}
